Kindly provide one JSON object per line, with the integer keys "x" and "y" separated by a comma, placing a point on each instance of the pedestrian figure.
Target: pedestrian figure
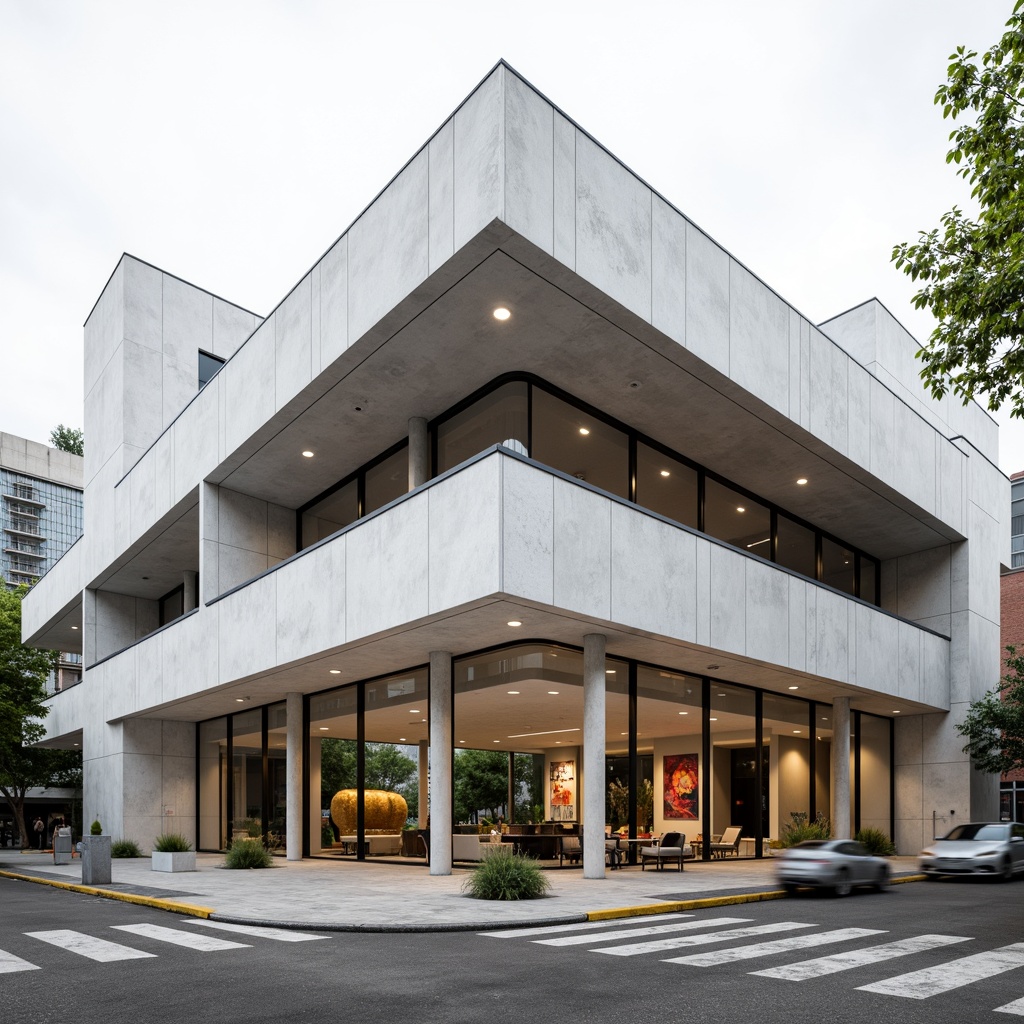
{"x": 40, "y": 830}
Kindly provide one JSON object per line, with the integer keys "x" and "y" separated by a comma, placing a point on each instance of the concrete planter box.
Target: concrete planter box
{"x": 174, "y": 861}
{"x": 95, "y": 860}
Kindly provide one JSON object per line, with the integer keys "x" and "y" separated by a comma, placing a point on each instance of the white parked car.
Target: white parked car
{"x": 836, "y": 864}
{"x": 992, "y": 848}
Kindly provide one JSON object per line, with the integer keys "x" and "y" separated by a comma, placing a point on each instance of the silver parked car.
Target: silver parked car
{"x": 993, "y": 848}
{"x": 836, "y": 864}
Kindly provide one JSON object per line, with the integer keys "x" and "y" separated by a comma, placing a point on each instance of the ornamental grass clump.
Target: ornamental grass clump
{"x": 800, "y": 829}
{"x": 507, "y": 878}
{"x": 121, "y": 848}
{"x": 248, "y": 853}
{"x": 876, "y": 841}
{"x": 172, "y": 842}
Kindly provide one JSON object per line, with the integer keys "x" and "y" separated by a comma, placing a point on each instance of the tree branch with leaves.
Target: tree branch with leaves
{"x": 972, "y": 270}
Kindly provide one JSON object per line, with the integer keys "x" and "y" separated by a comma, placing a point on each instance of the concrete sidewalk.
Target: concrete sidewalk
{"x": 369, "y": 896}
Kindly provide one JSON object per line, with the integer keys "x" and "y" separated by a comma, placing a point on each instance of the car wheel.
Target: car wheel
{"x": 882, "y": 882}
{"x": 931, "y": 876}
{"x": 789, "y": 887}
{"x": 842, "y": 886}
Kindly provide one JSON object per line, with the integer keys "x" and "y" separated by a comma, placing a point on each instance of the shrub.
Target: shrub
{"x": 96, "y": 829}
{"x": 248, "y": 853}
{"x": 800, "y": 829}
{"x": 514, "y": 877}
{"x": 876, "y": 841}
{"x": 172, "y": 842}
{"x": 125, "y": 848}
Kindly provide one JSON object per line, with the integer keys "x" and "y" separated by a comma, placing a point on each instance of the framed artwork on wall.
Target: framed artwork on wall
{"x": 563, "y": 790}
{"x": 681, "y": 793}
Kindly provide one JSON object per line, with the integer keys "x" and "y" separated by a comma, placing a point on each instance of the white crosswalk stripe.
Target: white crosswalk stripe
{"x": 728, "y": 956}
{"x": 553, "y": 929}
{"x": 631, "y": 933}
{"x": 89, "y": 946}
{"x": 945, "y": 977}
{"x": 257, "y": 931}
{"x": 9, "y": 963}
{"x": 659, "y": 945}
{"x": 193, "y": 940}
{"x": 851, "y": 958}
{"x": 1017, "y": 1007}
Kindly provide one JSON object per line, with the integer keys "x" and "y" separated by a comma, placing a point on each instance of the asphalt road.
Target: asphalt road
{"x": 919, "y": 952}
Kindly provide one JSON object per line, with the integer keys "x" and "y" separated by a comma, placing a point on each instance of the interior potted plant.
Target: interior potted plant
{"x": 173, "y": 852}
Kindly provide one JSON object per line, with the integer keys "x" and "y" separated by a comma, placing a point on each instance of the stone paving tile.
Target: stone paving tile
{"x": 329, "y": 893}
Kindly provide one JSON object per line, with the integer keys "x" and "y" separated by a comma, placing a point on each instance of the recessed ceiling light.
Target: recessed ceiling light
{"x": 401, "y": 739}
{"x": 74, "y": 627}
{"x": 554, "y": 693}
{"x": 665, "y": 472}
{"x": 712, "y": 719}
{"x": 684, "y": 712}
{"x": 609, "y": 671}
{"x": 76, "y": 744}
{"x": 723, "y": 695}
{"x": 796, "y": 730}
{"x": 558, "y": 742}
{"x": 514, "y": 623}
{"x": 513, "y": 692}
{"x": 584, "y": 431}
{"x": 324, "y": 728}
{"x": 740, "y": 508}
{"x": 501, "y": 313}
{"x": 239, "y": 700}
{"x": 794, "y": 687}
{"x": 896, "y": 712}
{"x": 335, "y": 671}
{"x": 415, "y": 711}
{"x": 623, "y": 733}
{"x": 307, "y": 454}
{"x": 802, "y": 481}
{"x": 497, "y": 741}
{"x": 462, "y": 741}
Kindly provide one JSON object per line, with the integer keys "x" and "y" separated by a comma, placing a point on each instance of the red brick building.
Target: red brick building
{"x": 1011, "y": 631}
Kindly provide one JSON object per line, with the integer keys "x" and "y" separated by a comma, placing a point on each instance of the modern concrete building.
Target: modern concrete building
{"x": 526, "y": 462}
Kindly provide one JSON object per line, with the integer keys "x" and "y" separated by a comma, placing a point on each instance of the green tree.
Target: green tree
{"x": 23, "y": 672}
{"x": 386, "y": 767}
{"x": 480, "y": 783}
{"x": 972, "y": 270}
{"x": 68, "y": 439}
{"x": 994, "y": 726}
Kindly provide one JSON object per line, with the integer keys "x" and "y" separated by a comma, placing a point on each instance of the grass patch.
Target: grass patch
{"x": 507, "y": 878}
{"x": 122, "y": 848}
{"x": 248, "y": 853}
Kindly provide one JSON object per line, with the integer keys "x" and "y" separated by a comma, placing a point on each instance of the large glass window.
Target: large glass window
{"x": 787, "y": 728}
{"x": 838, "y": 566}
{"x": 247, "y": 774}
{"x": 795, "y": 547}
{"x": 735, "y": 799}
{"x": 736, "y": 519}
{"x": 868, "y": 579}
{"x": 387, "y": 480}
{"x": 578, "y": 443}
{"x": 331, "y": 514}
{"x": 669, "y": 749}
{"x": 333, "y": 735}
{"x": 213, "y": 796}
{"x": 875, "y": 772}
{"x": 277, "y": 777}
{"x": 497, "y": 418}
{"x": 823, "y": 761}
{"x": 666, "y": 485}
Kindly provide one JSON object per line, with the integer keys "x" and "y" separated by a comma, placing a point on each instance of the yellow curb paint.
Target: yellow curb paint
{"x": 174, "y": 906}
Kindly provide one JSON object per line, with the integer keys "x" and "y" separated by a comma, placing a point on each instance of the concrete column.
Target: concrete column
{"x": 424, "y": 783}
{"x": 190, "y": 597}
{"x": 419, "y": 452}
{"x": 593, "y": 780}
{"x": 293, "y": 775}
{"x": 440, "y": 763}
{"x": 841, "y": 767}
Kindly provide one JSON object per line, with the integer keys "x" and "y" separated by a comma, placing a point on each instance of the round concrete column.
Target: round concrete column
{"x": 419, "y": 452}
{"x": 440, "y": 763}
{"x": 841, "y": 767}
{"x": 293, "y": 775}
{"x": 593, "y": 755}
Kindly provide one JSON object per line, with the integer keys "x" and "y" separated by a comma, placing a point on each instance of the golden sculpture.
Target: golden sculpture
{"x": 385, "y": 811}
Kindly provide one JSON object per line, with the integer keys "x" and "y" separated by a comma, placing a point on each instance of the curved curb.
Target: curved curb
{"x": 174, "y": 906}
{"x": 490, "y": 925}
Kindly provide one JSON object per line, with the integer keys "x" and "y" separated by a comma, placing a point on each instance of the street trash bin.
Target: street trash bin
{"x": 62, "y": 846}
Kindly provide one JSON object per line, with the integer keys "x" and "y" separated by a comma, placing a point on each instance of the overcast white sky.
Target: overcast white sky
{"x": 230, "y": 143}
